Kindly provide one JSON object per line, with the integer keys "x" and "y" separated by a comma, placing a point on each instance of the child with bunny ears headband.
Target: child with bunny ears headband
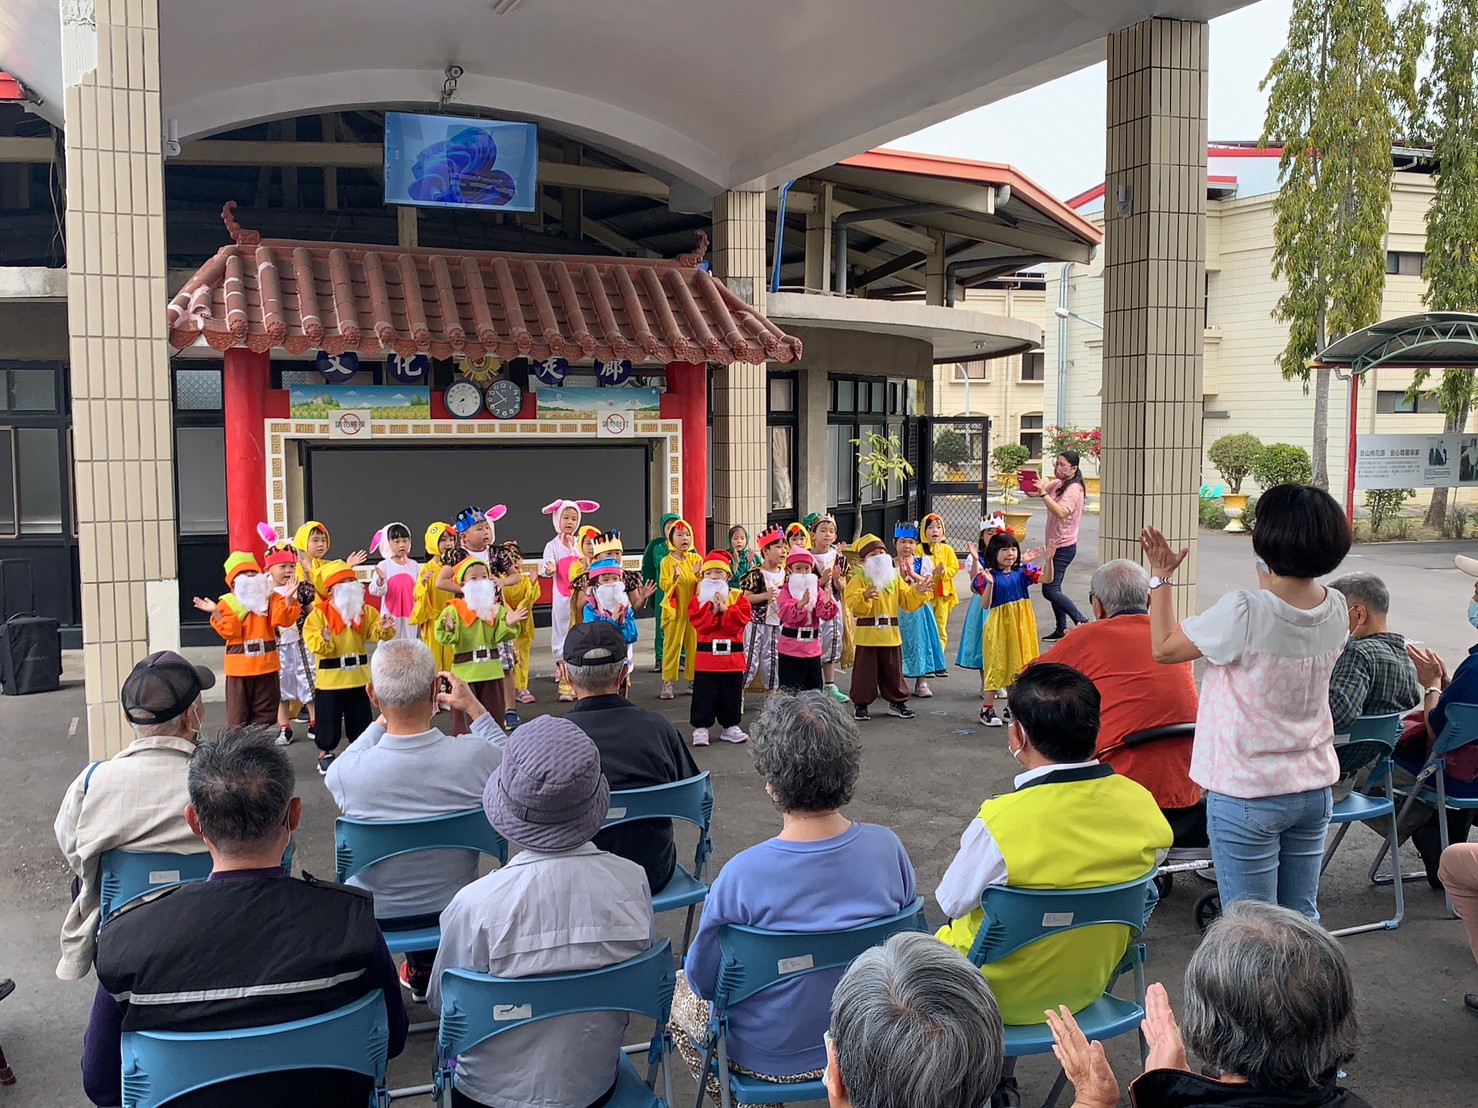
{"x": 295, "y": 667}
{"x": 558, "y": 553}
{"x": 394, "y": 578}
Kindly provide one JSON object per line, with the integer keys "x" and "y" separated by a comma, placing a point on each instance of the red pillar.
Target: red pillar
{"x": 687, "y": 390}
{"x": 247, "y": 377}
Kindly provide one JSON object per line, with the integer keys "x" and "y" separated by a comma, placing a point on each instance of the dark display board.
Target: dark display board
{"x": 355, "y": 490}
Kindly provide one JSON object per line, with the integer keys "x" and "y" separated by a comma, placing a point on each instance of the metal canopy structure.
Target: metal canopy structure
{"x": 1427, "y": 340}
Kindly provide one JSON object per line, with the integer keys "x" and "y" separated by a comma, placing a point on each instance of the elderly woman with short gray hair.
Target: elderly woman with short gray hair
{"x": 823, "y": 872}
{"x": 1269, "y": 1011}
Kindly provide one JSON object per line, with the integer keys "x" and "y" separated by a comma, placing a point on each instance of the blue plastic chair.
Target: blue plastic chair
{"x": 360, "y": 843}
{"x": 751, "y": 960}
{"x": 1431, "y": 785}
{"x": 159, "y": 1066}
{"x": 692, "y": 802}
{"x": 476, "y": 1008}
{"x": 1371, "y": 743}
{"x": 126, "y": 876}
{"x": 1016, "y": 918}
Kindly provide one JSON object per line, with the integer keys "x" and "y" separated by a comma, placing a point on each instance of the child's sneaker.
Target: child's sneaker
{"x": 989, "y": 718}
{"x": 734, "y": 735}
{"x": 312, "y": 730}
{"x": 1002, "y": 693}
{"x": 902, "y": 711}
{"x": 837, "y": 694}
{"x": 922, "y": 690}
{"x": 414, "y": 986}
{"x": 302, "y": 716}
{"x": 523, "y": 696}
{"x": 860, "y": 713}
{"x": 285, "y": 735}
{"x": 325, "y": 760}
{"x": 511, "y": 721}
{"x": 666, "y": 693}
{"x": 700, "y": 734}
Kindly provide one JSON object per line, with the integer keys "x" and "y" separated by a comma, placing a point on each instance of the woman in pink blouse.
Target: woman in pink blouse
{"x": 1063, "y": 497}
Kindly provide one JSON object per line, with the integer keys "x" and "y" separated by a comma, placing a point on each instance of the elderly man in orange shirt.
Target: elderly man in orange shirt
{"x": 1137, "y": 692}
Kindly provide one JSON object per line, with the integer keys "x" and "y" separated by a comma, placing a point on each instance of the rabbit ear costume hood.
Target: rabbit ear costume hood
{"x": 581, "y": 507}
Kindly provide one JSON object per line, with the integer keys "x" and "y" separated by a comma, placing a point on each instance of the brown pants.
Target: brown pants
{"x": 252, "y": 700}
{"x": 878, "y": 671}
{"x": 490, "y": 696}
{"x": 1459, "y": 874}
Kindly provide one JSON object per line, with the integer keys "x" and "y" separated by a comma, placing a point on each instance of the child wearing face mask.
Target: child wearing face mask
{"x": 339, "y": 631}
{"x": 1009, "y": 640}
{"x": 804, "y": 608}
{"x": 718, "y": 615}
{"x": 247, "y": 617}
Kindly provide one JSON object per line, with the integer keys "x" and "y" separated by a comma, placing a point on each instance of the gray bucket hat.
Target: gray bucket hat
{"x": 549, "y": 792}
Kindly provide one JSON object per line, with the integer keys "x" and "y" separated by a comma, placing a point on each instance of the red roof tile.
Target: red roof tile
{"x": 304, "y": 296}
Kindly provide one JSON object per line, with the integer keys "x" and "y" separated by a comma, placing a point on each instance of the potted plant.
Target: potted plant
{"x": 1005, "y": 461}
{"x": 880, "y": 460}
{"x": 952, "y": 452}
{"x": 1282, "y": 463}
{"x": 1234, "y": 456}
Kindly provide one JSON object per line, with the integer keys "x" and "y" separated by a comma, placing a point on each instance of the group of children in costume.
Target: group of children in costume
{"x": 783, "y": 615}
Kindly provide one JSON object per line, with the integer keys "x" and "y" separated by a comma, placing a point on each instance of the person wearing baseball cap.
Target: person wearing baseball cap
{"x": 136, "y": 799}
{"x": 561, "y": 905}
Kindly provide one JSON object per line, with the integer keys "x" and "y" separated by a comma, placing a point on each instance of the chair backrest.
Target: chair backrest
{"x": 1460, "y": 729}
{"x": 1371, "y": 739}
{"x": 476, "y": 1007}
{"x": 360, "y": 843}
{"x": 753, "y": 959}
{"x": 129, "y": 875}
{"x": 1015, "y": 918}
{"x": 1157, "y": 734}
{"x": 159, "y": 1066}
{"x": 690, "y": 800}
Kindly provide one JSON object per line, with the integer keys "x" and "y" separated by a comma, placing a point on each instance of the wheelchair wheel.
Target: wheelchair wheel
{"x": 1208, "y": 908}
{"x": 1164, "y": 882}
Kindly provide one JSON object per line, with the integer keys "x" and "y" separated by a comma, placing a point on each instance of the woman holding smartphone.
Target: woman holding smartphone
{"x": 1063, "y": 497}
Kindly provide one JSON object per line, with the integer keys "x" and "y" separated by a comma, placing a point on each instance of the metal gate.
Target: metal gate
{"x": 953, "y": 467}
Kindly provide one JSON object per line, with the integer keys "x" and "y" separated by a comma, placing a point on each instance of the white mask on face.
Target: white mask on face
{"x": 709, "y": 590}
{"x": 610, "y": 596}
{"x": 879, "y": 570}
{"x": 254, "y": 590}
{"x": 802, "y": 583}
{"x": 480, "y": 595}
{"x": 348, "y": 598}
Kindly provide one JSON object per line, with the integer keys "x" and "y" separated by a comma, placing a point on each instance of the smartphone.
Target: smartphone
{"x": 446, "y": 686}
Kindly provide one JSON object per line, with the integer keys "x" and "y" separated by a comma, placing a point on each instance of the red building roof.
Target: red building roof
{"x": 303, "y": 296}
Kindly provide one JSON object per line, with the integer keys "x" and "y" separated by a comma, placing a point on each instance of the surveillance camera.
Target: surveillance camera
{"x": 454, "y": 72}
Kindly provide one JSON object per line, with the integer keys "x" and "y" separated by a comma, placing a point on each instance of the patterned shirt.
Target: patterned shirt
{"x": 1373, "y": 677}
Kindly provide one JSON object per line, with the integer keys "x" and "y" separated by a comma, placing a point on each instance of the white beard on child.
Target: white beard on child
{"x": 610, "y": 597}
{"x": 709, "y": 591}
{"x": 481, "y": 597}
{"x": 348, "y": 598}
{"x": 879, "y": 570}
{"x": 800, "y": 584}
{"x": 254, "y": 590}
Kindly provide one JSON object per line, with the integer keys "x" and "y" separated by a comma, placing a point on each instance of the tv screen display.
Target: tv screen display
{"x": 444, "y": 161}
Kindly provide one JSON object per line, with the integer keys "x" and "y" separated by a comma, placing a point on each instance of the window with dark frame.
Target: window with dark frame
{"x": 1396, "y": 402}
{"x": 1031, "y": 433}
{"x": 782, "y": 450}
{"x": 35, "y": 462}
{"x": 200, "y": 450}
{"x": 1405, "y": 263}
{"x": 970, "y": 371}
{"x": 1033, "y": 366}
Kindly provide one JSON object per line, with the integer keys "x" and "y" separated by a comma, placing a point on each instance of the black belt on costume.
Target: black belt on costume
{"x": 476, "y": 654}
{"x": 348, "y": 661}
{"x": 877, "y": 621}
{"x": 721, "y": 646}
{"x": 800, "y": 634}
{"x": 251, "y": 646}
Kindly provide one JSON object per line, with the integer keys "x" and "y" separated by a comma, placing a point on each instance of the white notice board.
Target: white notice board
{"x": 1416, "y": 461}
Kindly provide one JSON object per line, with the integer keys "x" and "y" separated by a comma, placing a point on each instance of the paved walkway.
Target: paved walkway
{"x": 925, "y": 779}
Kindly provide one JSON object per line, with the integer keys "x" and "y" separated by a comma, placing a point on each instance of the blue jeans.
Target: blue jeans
{"x": 1063, "y": 609}
{"x": 1270, "y": 848}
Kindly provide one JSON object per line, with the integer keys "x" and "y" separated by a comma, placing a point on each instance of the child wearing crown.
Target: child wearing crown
{"x": 923, "y": 653}
{"x": 612, "y": 593}
{"x": 761, "y": 586}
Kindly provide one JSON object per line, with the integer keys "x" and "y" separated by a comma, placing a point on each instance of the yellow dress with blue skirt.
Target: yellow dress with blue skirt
{"x": 1009, "y": 641}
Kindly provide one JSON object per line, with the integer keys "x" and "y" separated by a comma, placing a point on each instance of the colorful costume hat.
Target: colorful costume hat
{"x": 470, "y": 517}
{"x": 672, "y": 525}
{"x": 460, "y": 573}
{"x": 608, "y": 544}
{"x": 801, "y": 558}
{"x": 556, "y": 509}
{"x": 300, "y": 537}
{"x": 924, "y": 523}
{"x": 381, "y": 539}
{"x": 586, "y": 532}
{"x": 718, "y": 559}
{"x": 769, "y": 537}
{"x": 433, "y": 537}
{"x": 869, "y": 544}
{"x": 279, "y": 553}
{"x": 814, "y": 519}
{"x": 240, "y": 562}
{"x": 798, "y": 531}
{"x": 906, "y": 531}
{"x": 604, "y": 565}
{"x": 332, "y": 573}
{"x": 994, "y": 523}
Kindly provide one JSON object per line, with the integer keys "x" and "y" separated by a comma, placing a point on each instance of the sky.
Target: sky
{"x": 1242, "y": 48}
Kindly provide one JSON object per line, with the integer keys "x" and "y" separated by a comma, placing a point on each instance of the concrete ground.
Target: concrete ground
{"x": 924, "y": 778}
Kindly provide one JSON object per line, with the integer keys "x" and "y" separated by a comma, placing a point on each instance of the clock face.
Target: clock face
{"x": 505, "y": 399}
{"x": 463, "y": 399}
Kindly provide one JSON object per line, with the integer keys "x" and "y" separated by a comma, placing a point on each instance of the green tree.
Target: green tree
{"x": 1339, "y": 92}
{"x": 1450, "y": 100}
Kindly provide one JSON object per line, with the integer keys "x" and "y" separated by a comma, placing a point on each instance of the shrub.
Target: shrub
{"x": 1009, "y": 457}
{"x": 951, "y": 449}
{"x": 1212, "y": 514}
{"x": 1458, "y": 520}
{"x": 1233, "y": 456}
{"x": 1385, "y": 505}
{"x": 1282, "y": 463}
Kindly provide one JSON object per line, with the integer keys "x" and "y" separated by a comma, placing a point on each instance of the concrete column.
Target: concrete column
{"x": 934, "y": 280}
{"x": 1154, "y": 278}
{"x": 820, "y": 253}
{"x": 740, "y": 469}
{"x": 813, "y": 401}
{"x": 116, "y": 296}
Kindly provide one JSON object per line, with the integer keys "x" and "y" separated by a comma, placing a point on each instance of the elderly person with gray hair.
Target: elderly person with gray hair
{"x": 912, "y": 1022}
{"x": 1137, "y": 692}
{"x": 823, "y": 872}
{"x": 404, "y": 768}
{"x": 1373, "y": 675}
{"x": 1269, "y": 1011}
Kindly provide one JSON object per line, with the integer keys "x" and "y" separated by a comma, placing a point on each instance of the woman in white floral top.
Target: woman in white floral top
{"x": 1264, "y": 749}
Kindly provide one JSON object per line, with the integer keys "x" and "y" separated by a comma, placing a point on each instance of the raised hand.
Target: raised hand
{"x": 1163, "y": 561}
{"x": 870, "y": 593}
{"x": 356, "y": 558}
{"x": 1082, "y": 1062}
{"x": 1429, "y": 668}
{"x": 516, "y": 615}
{"x": 1161, "y": 1032}
{"x": 1031, "y": 555}
{"x": 204, "y": 605}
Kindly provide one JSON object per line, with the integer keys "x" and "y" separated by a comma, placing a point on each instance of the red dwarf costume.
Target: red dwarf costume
{"x": 718, "y": 662}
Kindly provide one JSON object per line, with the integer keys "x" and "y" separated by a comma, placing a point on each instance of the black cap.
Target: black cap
{"x": 162, "y": 686}
{"x": 597, "y": 643}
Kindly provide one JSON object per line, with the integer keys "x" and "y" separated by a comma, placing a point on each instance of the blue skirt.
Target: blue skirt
{"x": 922, "y": 652}
{"x": 972, "y": 636}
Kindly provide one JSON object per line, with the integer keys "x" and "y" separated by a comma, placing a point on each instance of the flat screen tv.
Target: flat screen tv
{"x": 445, "y": 161}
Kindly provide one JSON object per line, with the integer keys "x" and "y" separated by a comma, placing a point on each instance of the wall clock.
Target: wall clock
{"x": 463, "y": 399}
{"x": 504, "y": 399}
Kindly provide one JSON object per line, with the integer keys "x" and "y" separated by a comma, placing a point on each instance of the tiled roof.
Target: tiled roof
{"x": 304, "y": 296}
